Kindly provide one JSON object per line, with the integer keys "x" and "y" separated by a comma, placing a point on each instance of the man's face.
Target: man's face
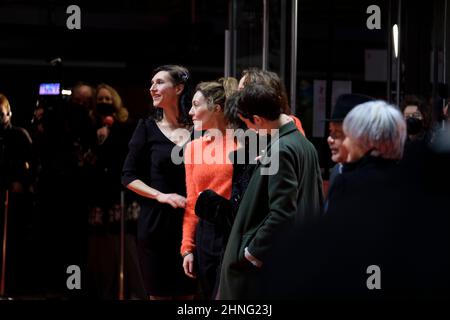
{"x": 5, "y": 116}
{"x": 83, "y": 95}
{"x": 251, "y": 125}
{"x": 335, "y": 140}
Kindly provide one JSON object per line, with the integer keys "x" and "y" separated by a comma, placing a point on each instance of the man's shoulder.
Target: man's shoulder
{"x": 296, "y": 142}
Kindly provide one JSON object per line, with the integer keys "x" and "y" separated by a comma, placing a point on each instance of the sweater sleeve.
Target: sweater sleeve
{"x": 190, "y": 220}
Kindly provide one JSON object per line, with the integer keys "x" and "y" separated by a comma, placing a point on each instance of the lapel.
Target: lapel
{"x": 284, "y": 130}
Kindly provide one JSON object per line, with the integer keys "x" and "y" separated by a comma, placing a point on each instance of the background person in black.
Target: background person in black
{"x": 114, "y": 130}
{"x": 63, "y": 134}
{"x": 366, "y": 222}
{"x": 344, "y": 104}
{"x": 416, "y": 157}
{"x": 15, "y": 177}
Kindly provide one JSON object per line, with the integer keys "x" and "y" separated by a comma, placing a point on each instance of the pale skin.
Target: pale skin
{"x": 104, "y": 96}
{"x": 204, "y": 117}
{"x": 165, "y": 95}
{"x": 241, "y": 86}
{"x": 354, "y": 150}
{"x": 5, "y": 119}
{"x": 260, "y": 123}
{"x": 335, "y": 140}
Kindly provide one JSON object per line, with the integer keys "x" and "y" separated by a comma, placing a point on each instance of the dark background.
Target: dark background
{"x": 122, "y": 41}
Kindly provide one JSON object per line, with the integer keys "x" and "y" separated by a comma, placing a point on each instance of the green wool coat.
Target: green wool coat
{"x": 272, "y": 207}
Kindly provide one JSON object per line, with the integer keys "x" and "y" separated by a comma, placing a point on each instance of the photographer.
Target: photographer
{"x": 63, "y": 133}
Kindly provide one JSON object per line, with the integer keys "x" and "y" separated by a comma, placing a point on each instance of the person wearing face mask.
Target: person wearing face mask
{"x": 416, "y": 157}
{"x": 417, "y": 114}
{"x": 113, "y": 131}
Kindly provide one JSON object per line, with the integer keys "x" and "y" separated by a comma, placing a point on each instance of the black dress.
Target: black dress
{"x": 159, "y": 225}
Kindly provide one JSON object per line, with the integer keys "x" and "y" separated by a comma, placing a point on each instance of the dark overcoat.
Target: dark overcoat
{"x": 283, "y": 193}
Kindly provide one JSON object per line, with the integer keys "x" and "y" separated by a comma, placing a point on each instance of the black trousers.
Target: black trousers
{"x": 210, "y": 246}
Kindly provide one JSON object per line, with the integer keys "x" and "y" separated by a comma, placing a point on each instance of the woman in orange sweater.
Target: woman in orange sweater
{"x": 207, "y": 167}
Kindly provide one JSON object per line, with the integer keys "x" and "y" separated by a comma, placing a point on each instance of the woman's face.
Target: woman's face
{"x": 5, "y": 116}
{"x": 335, "y": 140}
{"x": 354, "y": 150}
{"x": 104, "y": 96}
{"x": 202, "y": 117}
{"x": 412, "y": 112}
{"x": 164, "y": 92}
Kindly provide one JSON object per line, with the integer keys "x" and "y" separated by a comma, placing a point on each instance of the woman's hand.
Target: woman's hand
{"x": 188, "y": 265}
{"x": 173, "y": 199}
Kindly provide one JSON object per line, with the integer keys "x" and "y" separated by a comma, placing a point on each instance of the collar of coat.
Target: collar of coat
{"x": 284, "y": 130}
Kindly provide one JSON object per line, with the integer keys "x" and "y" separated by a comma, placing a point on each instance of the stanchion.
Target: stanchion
{"x": 122, "y": 245}
{"x": 4, "y": 246}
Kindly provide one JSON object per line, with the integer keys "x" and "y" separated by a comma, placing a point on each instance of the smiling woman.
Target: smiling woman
{"x": 149, "y": 172}
{"x": 203, "y": 242}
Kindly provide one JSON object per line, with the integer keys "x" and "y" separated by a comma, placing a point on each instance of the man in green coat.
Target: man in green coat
{"x": 283, "y": 196}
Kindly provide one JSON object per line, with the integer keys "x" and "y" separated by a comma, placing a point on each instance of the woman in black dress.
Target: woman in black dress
{"x": 151, "y": 171}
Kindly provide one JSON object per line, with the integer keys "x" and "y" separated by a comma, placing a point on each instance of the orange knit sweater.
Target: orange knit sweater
{"x": 298, "y": 124}
{"x": 215, "y": 172}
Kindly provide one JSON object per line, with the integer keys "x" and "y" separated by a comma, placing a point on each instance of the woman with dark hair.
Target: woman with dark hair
{"x": 417, "y": 115}
{"x": 271, "y": 79}
{"x": 150, "y": 171}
